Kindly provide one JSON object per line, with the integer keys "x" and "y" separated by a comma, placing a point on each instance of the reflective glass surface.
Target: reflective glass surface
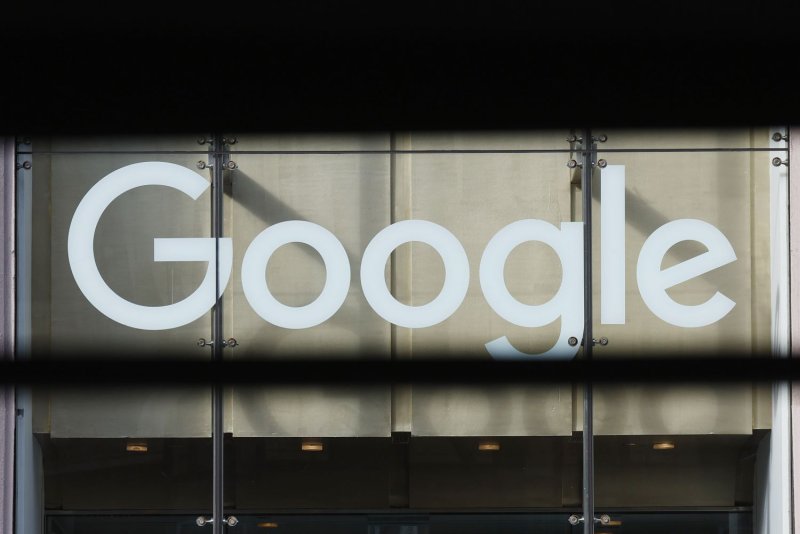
{"x": 700, "y": 139}
{"x": 424, "y": 246}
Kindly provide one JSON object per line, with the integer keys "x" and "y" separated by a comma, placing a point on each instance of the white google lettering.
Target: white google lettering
{"x": 80, "y": 249}
{"x": 337, "y": 269}
{"x": 567, "y": 302}
{"x": 456, "y": 274}
{"x": 653, "y": 282}
{"x": 566, "y": 241}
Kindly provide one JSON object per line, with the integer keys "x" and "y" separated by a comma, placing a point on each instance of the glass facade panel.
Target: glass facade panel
{"x": 136, "y": 473}
{"x": 424, "y": 246}
{"x": 716, "y": 139}
{"x": 706, "y": 219}
{"x": 476, "y": 197}
{"x": 115, "y": 144}
{"x": 686, "y": 202}
{"x": 690, "y": 522}
{"x": 107, "y": 241}
{"x": 346, "y": 197}
{"x": 665, "y": 211}
{"x": 124, "y": 244}
{"x": 126, "y": 284}
{"x": 309, "y": 142}
{"x": 486, "y": 141}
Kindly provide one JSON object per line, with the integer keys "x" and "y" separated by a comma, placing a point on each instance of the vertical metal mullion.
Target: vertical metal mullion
{"x": 588, "y": 431}
{"x": 794, "y": 315}
{"x": 28, "y": 505}
{"x": 217, "y": 335}
{"x": 7, "y": 324}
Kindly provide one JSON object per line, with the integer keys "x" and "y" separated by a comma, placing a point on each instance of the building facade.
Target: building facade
{"x": 401, "y": 246}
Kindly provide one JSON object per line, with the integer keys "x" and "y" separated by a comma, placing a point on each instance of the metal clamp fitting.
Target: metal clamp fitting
{"x": 574, "y": 519}
{"x": 573, "y": 341}
{"x": 573, "y": 163}
{"x": 778, "y": 137}
{"x": 231, "y": 342}
{"x": 777, "y": 162}
{"x": 203, "y": 165}
{"x": 202, "y": 521}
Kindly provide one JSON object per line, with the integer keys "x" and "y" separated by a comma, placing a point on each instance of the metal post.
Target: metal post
{"x": 217, "y": 335}
{"x": 28, "y": 471}
{"x": 588, "y": 433}
{"x": 794, "y": 312}
{"x": 7, "y": 325}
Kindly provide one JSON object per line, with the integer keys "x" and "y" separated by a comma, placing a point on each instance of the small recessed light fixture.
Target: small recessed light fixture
{"x": 488, "y": 446}
{"x": 267, "y": 524}
{"x": 315, "y": 446}
{"x": 136, "y": 446}
{"x": 663, "y": 445}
